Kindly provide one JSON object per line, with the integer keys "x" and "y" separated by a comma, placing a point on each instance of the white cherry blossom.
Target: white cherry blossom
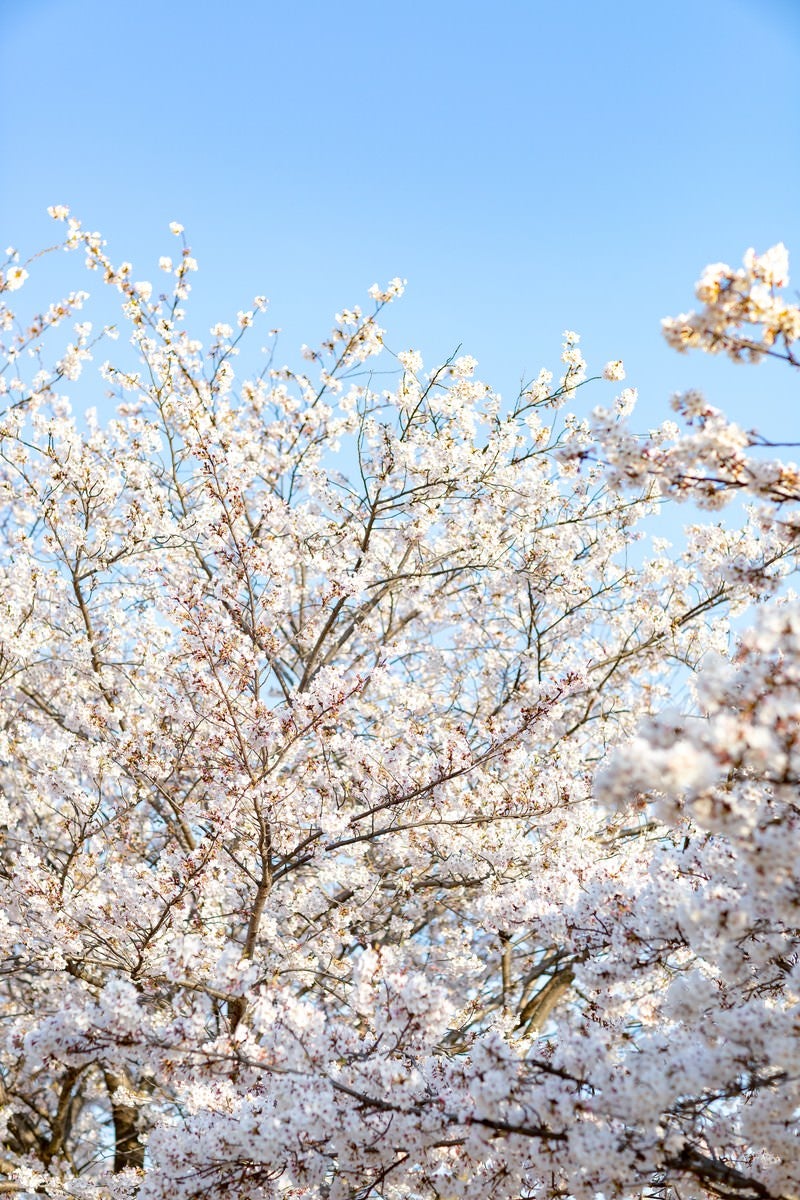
{"x": 377, "y": 820}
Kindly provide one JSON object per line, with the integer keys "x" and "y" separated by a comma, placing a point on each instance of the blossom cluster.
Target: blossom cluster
{"x": 353, "y": 843}
{"x": 743, "y": 315}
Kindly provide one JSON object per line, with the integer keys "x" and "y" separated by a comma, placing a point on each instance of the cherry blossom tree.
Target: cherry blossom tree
{"x": 378, "y": 819}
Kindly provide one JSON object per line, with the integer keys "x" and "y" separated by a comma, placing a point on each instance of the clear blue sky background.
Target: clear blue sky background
{"x": 527, "y": 166}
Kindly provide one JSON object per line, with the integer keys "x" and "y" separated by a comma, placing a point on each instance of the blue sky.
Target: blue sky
{"x": 527, "y": 166}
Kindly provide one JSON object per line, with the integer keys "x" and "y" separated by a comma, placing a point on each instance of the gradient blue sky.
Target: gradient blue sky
{"x": 527, "y": 166}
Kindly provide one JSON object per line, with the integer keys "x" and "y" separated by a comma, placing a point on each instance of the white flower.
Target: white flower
{"x": 394, "y": 288}
{"x": 625, "y": 402}
{"x": 464, "y": 367}
{"x": 176, "y": 228}
{"x": 614, "y": 371}
{"x": 15, "y": 278}
{"x": 772, "y": 266}
{"x": 411, "y": 360}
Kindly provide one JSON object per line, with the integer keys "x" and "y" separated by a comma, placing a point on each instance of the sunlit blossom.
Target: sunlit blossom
{"x": 15, "y": 278}
{"x": 385, "y": 815}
